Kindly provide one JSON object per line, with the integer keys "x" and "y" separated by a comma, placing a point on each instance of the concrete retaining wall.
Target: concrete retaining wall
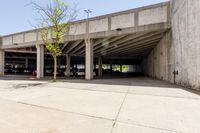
{"x": 183, "y": 53}
{"x": 158, "y": 64}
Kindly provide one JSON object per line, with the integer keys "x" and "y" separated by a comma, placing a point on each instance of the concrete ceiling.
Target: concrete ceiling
{"x": 136, "y": 45}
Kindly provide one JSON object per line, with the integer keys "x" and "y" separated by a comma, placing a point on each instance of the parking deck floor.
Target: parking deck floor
{"x": 126, "y": 105}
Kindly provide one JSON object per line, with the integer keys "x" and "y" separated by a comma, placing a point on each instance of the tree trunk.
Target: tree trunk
{"x": 55, "y": 68}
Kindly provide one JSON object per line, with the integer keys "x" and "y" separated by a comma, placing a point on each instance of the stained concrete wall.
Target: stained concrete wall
{"x": 186, "y": 40}
{"x": 151, "y": 16}
{"x": 158, "y": 64}
{"x": 182, "y": 54}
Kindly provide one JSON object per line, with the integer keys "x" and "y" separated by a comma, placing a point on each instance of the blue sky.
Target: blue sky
{"x": 16, "y": 16}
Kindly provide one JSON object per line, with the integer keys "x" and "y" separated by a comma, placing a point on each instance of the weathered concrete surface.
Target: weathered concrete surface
{"x": 101, "y": 106}
{"x": 40, "y": 61}
{"x": 180, "y": 49}
{"x": 2, "y": 62}
{"x": 158, "y": 64}
{"x": 186, "y": 38}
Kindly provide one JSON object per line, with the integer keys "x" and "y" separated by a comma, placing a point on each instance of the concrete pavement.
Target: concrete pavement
{"x": 125, "y": 105}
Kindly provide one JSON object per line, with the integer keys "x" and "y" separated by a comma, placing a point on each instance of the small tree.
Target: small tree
{"x": 53, "y": 25}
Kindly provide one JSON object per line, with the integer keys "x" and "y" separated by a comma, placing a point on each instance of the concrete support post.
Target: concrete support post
{"x": 40, "y": 61}
{"x": 26, "y": 63}
{"x": 121, "y": 68}
{"x": 111, "y": 68}
{"x": 2, "y": 62}
{"x": 100, "y": 67}
{"x": 68, "y": 65}
{"x": 89, "y": 59}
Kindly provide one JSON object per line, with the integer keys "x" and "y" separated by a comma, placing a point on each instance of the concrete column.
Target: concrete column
{"x": 68, "y": 64}
{"x": 40, "y": 61}
{"x": 89, "y": 59}
{"x": 111, "y": 68}
{"x": 120, "y": 67}
{"x": 2, "y": 62}
{"x": 26, "y": 63}
{"x": 100, "y": 66}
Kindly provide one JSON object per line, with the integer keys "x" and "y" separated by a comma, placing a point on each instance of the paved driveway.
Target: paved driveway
{"x": 133, "y": 105}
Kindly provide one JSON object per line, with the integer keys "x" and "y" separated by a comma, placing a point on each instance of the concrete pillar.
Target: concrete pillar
{"x": 111, "y": 68}
{"x": 40, "y": 61}
{"x": 100, "y": 67}
{"x": 2, "y": 62}
{"x": 68, "y": 64}
{"x": 120, "y": 67}
{"x": 26, "y": 63}
{"x": 89, "y": 59}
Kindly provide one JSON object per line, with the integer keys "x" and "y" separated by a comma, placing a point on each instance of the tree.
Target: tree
{"x": 53, "y": 25}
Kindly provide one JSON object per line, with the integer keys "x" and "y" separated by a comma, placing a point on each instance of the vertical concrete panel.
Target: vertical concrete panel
{"x": 77, "y": 29}
{"x": 40, "y": 61}
{"x": 98, "y": 25}
{"x": 157, "y": 62}
{"x": 151, "y": 16}
{"x": 186, "y": 32}
{"x": 7, "y": 40}
{"x": 89, "y": 60}
{"x": 123, "y": 21}
{"x": 18, "y": 38}
{"x": 68, "y": 65}
{"x": 2, "y": 62}
{"x": 31, "y": 36}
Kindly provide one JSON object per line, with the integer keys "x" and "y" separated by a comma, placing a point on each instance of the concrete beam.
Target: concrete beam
{"x": 99, "y": 41}
{"x": 120, "y": 42}
{"x": 135, "y": 41}
{"x": 65, "y": 45}
{"x": 81, "y": 46}
{"x": 135, "y": 46}
{"x": 110, "y": 41}
{"x": 89, "y": 61}
{"x": 72, "y": 46}
{"x": 132, "y": 30}
{"x": 40, "y": 61}
{"x": 137, "y": 52}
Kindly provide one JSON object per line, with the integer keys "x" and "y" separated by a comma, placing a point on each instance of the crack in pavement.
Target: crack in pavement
{"x": 115, "y": 120}
{"x": 151, "y": 127}
{"x": 65, "y": 111}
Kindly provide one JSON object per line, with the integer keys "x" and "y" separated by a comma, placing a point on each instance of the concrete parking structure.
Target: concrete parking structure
{"x": 157, "y": 40}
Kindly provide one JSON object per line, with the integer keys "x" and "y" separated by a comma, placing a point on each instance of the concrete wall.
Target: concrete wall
{"x": 186, "y": 40}
{"x": 151, "y": 16}
{"x": 132, "y": 18}
{"x": 158, "y": 64}
{"x": 183, "y": 53}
